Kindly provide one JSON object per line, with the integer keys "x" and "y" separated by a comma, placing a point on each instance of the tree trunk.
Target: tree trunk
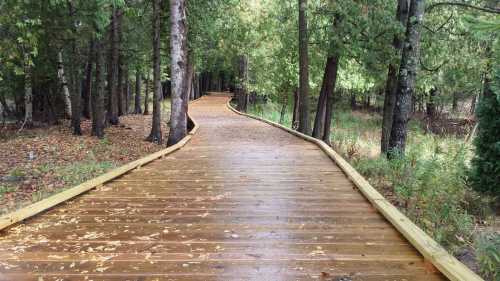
{"x": 179, "y": 72}
{"x": 192, "y": 87}
{"x": 330, "y": 91}
{"x": 296, "y": 105}
{"x": 76, "y": 97}
{"x": 137, "y": 100}
{"x": 327, "y": 88}
{"x": 64, "y": 85}
{"x": 241, "y": 88}
{"x": 128, "y": 92}
{"x": 392, "y": 79}
{"x": 120, "y": 88}
{"x": 189, "y": 85}
{"x": 122, "y": 77}
{"x": 6, "y": 109}
{"x": 87, "y": 89}
{"x": 353, "y": 101}
{"x": 431, "y": 104}
{"x": 97, "y": 97}
{"x": 473, "y": 104}
{"x": 407, "y": 77}
{"x": 156, "y": 135}
{"x": 304, "y": 126}
{"x": 196, "y": 81}
{"x": 112, "y": 114}
{"x": 146, "y": 96}
{"x": 28, "y": 96}
{"x": 284, "y": 104}
{"x": 454, "y": 106}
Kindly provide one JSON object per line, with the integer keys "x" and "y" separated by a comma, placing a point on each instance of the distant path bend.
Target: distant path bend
{"x": 242, "y": 201}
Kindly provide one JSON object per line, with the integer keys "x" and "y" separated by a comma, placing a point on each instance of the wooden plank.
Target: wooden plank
{"x": 232, "y": 205}
{"x": 428, "y": 247}
{"x": 52, "y": 201}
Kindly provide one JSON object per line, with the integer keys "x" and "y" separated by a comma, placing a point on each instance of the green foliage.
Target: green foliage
{"x": 18, "y": 173}
{"x": 432, "y": 191}
{"x": 485, "y": 175}
{"x": 80, "y": 172}
{"x": 488, "y": 254}
{"x": 4, "y": 189}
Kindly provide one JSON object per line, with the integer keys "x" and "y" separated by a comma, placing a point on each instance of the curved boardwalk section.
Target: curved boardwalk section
{"x": 242, "y": 201}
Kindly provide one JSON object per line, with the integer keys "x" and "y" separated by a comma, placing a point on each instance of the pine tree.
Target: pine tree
{"x": 485, "y": 175}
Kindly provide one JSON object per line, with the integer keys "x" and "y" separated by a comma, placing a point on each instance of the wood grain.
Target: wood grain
{"x": 242, "y": 201}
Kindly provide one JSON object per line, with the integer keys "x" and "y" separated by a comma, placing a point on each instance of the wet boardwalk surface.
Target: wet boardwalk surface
{"x": 242, "y": 201}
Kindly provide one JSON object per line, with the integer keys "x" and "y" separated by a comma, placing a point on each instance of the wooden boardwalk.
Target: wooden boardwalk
{"x": 242, "y": 201}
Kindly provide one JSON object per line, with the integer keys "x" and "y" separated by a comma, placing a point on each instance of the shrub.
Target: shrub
{"x": 488, "y": 254}
{"x": 485, "y": 175}
{"x": 430, "y": 187}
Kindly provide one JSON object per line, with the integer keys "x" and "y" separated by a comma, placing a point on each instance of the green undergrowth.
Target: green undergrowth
{"x": 487, "y": 247}
{"x": 429, "y": 184}
{"x": 72, "y": 175}
{"x": 4, "y": 189}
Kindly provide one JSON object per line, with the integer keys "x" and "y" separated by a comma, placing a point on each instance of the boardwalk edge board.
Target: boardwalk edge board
{"x": 15, "y": 217}
{"x": 430, "y": 249}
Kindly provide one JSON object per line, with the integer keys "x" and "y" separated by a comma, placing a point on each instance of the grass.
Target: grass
{"x": 72, "y": 175}
{"x": 4, "y": 189}
{"x": 429, "y": 184}
{"x": 488, "y": 254}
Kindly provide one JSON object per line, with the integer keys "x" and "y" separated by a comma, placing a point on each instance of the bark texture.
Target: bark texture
{"x": 87, "y": 87}
{"x": 330, "y": 92}
{"x": 296, "y": 103}
{"x": 392, "y": 79}
{"x": 156, "y": 134}
{"x": 431, "y": 104}
{"x": 407, "y": 78}
{"x": 112, "y": 114}
{"x": 6, "y": 109}
{"x": 241, "y": 89}
{"x": 121, "y": 79}
{"x": 76, "y": 97}
{"x": 64, "y": 85}
{"x": 178, "y": 51}
{"x": 97, "y": 97}
{"x": 327, "y": 88}
{"x": 304, "y": 126}
{"x": 28, "y": 96}
{"x": 146, "y": 97}
{"x": 137, "y": 99}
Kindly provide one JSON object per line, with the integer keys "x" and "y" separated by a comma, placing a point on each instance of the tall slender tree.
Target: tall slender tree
{"x": 137, "y": 99}
{"x": 146, "y": 96}
{"x": 392, "y": 78}
{"x": 87, "y": 86}
{"x": 179, "y": 72}
{"x": 28, "y": 93}
{"x": 112, "y": 114}
{"x": 241, "y": 88}
{"x": 304, "y": 126}
{"x": 76, "y": 84}
{"x": 407, "y": 78}
{"x": 333, "y": 68}
{"x": 121, "y": 66}
{"x": 64, "y": 85}
{"x": 156, "y": 134}
{"x": 97, "y": 97}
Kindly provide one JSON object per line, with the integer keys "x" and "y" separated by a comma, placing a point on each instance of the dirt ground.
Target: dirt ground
{"x": 42, "y": 161}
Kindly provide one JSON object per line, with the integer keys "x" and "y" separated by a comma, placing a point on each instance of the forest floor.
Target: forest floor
{"x": 39, "y": 162}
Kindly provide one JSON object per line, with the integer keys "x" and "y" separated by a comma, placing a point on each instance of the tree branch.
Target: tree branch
{"x": 463, "y": 5}
{"x": 433, "y": 69}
